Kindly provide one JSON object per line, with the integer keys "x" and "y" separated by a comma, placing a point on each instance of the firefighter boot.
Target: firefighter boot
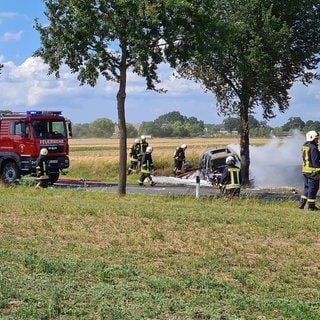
{"x": 302, "y": 202}
{"x": 152, "y": 183}
{"x": 312, "y": 205}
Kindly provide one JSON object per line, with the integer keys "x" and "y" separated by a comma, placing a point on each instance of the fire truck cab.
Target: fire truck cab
{"x": 24, "y": 134}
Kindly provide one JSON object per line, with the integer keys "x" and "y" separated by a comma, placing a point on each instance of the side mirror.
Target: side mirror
{"x": 69, "y": 129}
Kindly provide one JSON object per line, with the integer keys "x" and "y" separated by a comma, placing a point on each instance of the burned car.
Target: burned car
{"x": 213, "y": 162}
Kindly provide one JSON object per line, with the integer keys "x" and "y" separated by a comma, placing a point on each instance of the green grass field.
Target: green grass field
{"x": 92, "y": 255}
{"x": 77, "y": 254}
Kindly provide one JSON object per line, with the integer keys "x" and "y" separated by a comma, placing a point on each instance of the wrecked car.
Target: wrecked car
{"x": 213, "y": 162}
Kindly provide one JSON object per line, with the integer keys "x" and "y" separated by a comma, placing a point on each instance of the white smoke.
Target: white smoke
{"x": 278, "y": 163}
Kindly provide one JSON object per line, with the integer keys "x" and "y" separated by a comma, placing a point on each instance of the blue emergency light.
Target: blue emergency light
{"x": 37, "y": 113}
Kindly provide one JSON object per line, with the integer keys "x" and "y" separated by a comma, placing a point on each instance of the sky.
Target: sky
{"x": 25, "y": 84}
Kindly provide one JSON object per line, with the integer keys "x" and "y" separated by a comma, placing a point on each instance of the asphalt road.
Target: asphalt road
{"x": 174, "y": 190}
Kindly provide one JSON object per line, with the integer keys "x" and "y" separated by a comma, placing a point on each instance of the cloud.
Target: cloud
{"x": 8, "y": 36}
{"x": 28, "y": 86}
{"x": 8, "y": 14}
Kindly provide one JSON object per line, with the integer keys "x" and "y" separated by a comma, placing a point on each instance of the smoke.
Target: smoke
{"x": 278, "y": 163}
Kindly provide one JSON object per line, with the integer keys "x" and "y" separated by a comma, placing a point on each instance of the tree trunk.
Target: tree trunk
{"x": 121, "y": 97}
{"x": 244, "y": 144}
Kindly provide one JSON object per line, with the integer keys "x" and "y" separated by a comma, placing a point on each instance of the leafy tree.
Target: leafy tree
{"x": 131, "y": 131}
{"x": 103, "y": 38}
{"x": 170, "y": 117}
{"x": 311, "y": 125}
{"x": 81, "y": 130}
{"x": 148, "y": 127}
{"x": 173, "y": 124}
{"x": 231, "y": 124}
{"x": 294, "y": 123}
{"x": 252, "y": 54}
{"x": 102, "y": 128}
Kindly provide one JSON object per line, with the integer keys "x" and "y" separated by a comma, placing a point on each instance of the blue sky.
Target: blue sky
{"x": 25, "y": 84}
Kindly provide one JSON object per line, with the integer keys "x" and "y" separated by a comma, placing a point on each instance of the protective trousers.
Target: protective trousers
{"x": 310, "y": 190}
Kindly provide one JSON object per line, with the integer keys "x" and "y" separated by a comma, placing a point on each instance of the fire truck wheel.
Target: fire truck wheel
{"x": 10, "y": 172}
{"x": 53, "y": 177}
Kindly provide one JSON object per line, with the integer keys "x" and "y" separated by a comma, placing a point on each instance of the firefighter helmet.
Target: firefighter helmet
{"x": 143, "y": 137}
{"x": 183, "y": 146}
{"x": 149, "y": 149}
{"x": 44, "y": 151}
{"x": 311, "y": 135}
{"x": 230, "y": 160}
{"x": 136, "y": 141}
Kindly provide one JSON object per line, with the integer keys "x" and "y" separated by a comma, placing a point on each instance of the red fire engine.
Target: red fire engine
{"x": 24, "y": 134}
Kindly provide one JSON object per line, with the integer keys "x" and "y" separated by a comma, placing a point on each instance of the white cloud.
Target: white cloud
{"x": 8, "y": 36}
{"x": 28, "y": 86}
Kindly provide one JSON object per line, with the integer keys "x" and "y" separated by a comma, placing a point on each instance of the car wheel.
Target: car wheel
{"x": 10, "y": 173}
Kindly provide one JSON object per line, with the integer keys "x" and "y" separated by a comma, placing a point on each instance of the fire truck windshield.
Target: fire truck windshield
{"x": 49, "y": 129}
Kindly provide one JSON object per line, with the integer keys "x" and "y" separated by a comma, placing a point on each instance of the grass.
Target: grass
{"x": 77, "y": 254}
{"x": 91, "y": 255}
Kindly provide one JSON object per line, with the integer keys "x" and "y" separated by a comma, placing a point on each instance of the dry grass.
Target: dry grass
{"x": 99, "y": 158}
{"x": 108, "y": 149}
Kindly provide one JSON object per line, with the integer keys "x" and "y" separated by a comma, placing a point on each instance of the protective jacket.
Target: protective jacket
{"x": 231, "y": 177}
{"x": 41, "y": 166}
{"x": 135, "y": 152}
{"x": 146, "y": 163}
{"x": 179, "y": 154}
{"x": 310, "y": 158}
{"x": 144, "y": 146}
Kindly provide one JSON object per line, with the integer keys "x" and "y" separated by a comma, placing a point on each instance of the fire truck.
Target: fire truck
{"x": 24, "y": 134}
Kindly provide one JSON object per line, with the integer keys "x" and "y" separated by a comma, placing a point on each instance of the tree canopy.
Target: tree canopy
{"x": 249, "y": 55}
{"x": 173, "y": 124}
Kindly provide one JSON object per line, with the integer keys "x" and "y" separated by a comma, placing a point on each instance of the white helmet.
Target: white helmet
{"x": 44, "y": 151}
{"x": 311, "y": 135}
{"x": 143, "y": 137}
{"x": 183, "y": 146}
{"x": 230, "y": 160}
{"x": 136, "y": 141}
{"x": 149, "y": 149}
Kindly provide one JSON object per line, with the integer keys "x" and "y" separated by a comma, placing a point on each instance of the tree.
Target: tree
{"x": 103, "y": 38}
{"x": 102, "y": 127}
{"x": 231, "y": 124}
{"x": 170, "y": 117}
{"x": 132, "y": 132}
{"x": 252, "y": 54}
{"x": 294, "y": 123}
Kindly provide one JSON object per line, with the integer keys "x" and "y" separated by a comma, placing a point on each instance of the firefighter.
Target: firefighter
{"x": 310, "y": 171}
{"x": 144, "y": 144}
{"x": 230, "y": 181}
{"x": 41, "y": 168}
{"x": 135, "y": 156}
{"x": 146, "y": 167}
{"x": 179, "y": 158}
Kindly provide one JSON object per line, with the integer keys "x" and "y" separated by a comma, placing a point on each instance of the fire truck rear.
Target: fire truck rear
{"x": 24, "y": 134}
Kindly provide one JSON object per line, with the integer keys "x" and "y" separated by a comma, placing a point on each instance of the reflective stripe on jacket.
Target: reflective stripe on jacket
{"x": 234, "y": 178}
